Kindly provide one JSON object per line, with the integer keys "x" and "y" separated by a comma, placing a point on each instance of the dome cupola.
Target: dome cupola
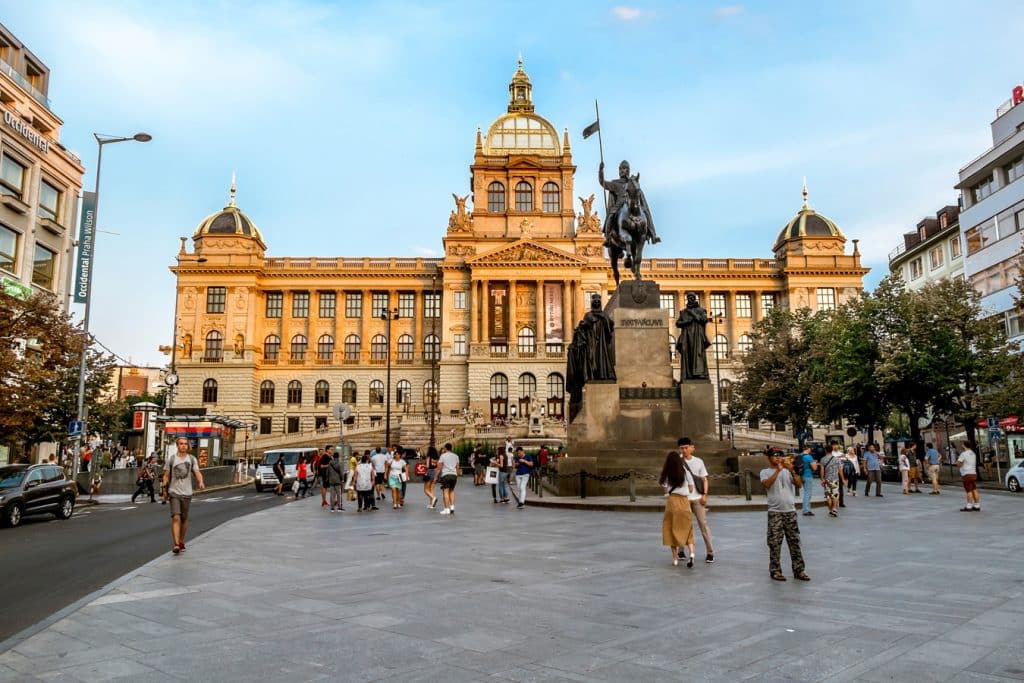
{"x": 229, "y": 221}
{"x": 808, "y": 223}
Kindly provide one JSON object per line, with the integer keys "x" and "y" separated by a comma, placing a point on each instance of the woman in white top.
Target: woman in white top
{"x": 904, "y": 463}
{"x": 364, "y": 483}
{"x": 397, "y": 472}
{"x": 677, "y": 524}
{"x": 851, "y": 471}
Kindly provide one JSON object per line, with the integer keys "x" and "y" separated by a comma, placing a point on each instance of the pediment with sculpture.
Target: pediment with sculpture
{"x": 526, "y": 251}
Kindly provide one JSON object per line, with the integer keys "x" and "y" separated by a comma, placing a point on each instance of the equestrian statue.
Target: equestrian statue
{"x": 628, "y": 224}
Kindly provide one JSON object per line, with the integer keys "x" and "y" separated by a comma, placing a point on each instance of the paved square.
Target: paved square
{"x": 905, "y": 588}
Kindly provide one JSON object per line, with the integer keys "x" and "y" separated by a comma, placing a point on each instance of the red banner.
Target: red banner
{"x": 139, "y": 420}
{"x": 497, "y": 297}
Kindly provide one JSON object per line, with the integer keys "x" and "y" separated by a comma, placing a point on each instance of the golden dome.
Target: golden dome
{"x": 229, "y": 221}
{"x": 807, "y": 223}
{"x": 521, "y": 131}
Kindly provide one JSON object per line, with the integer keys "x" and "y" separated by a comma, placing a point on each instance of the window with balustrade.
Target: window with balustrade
{"x": 295, "y": 392}
{"x": 267, "y": 393}
{"x": 496, "y": 198}
{"x": 352, "y": 347}
{"x": 322, "y": 393}
{"x": 403, "y": 392}
{"x": 271, "y": 347}
{"x": 552, "y": 200}
{"x": 524, "y": 196}
{"x": 349, "y": 392}
{"x": 527, "y": 340}
{"x": 299, "y": 347}
{"x": 431, "y": 348}
{"x": 325, "y": 347}
{"x": 379, "y": 347}
{"x": 405, "y": 348}
{"x": 376, "y": 392}
{"x": 214, "y": 350}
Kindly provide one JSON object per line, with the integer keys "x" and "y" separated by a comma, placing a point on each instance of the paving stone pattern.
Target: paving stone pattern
{"x": 905, "y": 588}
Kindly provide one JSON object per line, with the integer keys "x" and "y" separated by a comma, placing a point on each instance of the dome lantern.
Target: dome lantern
{"x": 229, "y": 221}
{"x": 520, "y": 92}
{"x": 808, "y": 223}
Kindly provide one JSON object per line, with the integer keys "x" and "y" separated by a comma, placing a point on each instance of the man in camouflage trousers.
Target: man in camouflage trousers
{"x": 780, "y": 484}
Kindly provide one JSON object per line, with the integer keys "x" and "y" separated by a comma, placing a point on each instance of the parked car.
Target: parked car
{"x": 265, "y": 476}
{"x": 1015, "y": 477}
{"x": 35, "y": 490}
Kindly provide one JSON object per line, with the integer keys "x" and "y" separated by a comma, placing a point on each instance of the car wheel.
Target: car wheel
{"x": 66, "y": 509}
{"x": 259, "y": 487}
{"x": 1013, "y": 485}
{"x": 13, "y": 515}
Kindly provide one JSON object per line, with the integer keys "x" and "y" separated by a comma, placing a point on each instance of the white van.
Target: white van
{"x": 265, "y": 476}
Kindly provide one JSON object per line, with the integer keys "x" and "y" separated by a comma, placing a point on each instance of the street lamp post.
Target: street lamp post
{"x": 434, "y": 358}
{"x": 388, "y": 316}
{"x": 82, "y": 414}
{"x": 718, "y": 319}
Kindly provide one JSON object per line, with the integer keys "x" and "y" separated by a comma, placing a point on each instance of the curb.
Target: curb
{"x": 581, "y": 504}
{"x": 211, "y": 489}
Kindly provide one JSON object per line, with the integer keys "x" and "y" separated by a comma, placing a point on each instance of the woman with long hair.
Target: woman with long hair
{"x": 364, "y": 484}
{"x": 428, "y": 478}
{"x": 397, "y": 473}
{"x": 677, "y": 525}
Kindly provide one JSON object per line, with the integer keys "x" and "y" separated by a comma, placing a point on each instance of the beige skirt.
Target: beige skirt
{"x": 677, "y": 526}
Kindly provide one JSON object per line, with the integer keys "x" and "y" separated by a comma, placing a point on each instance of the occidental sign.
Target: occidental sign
{"x": 26, "y": 131}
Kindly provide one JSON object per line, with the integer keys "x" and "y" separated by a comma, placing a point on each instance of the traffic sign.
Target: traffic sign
{"x": 993, "y": 435}
{"x": 75, "y": 428}
{"x": 993, "y": 423}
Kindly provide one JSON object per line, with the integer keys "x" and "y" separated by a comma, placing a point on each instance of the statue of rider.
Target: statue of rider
{"x": 616, "y": 198}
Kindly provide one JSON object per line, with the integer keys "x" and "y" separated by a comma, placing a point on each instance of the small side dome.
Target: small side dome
{"x": 229, "y": 221}
{"x": 807, "y": 223}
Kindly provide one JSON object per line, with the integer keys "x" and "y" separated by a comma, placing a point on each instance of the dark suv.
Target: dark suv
{"x": 33, "y": 490}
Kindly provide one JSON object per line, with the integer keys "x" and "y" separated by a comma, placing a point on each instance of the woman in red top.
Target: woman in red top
{"x": 301, "y": 473}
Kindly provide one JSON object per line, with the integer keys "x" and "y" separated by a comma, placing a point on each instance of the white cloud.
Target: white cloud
{"x": 425, "y": 251}
{"x": 728, "y": 11}
{"x": 626, "y": 13}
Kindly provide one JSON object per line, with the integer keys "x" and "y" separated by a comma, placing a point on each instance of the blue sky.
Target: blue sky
{"x": 339, "y": 116}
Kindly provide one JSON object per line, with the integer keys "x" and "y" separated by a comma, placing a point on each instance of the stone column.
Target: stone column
{"x": 512, "y": 329}
{"x": 756, "y": 313}
{"x": 539, "y": 299}
{"x": 471, "y": 307}
{"x": 485, "y": 302}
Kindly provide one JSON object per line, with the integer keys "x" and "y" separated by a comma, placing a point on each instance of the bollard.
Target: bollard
{"x": 746, "y": 483}
{"x": 632, "y": 486}
{"x": 583, "y": 484}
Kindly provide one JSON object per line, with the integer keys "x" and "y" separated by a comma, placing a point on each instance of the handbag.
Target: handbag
{"x": 491, "y": 475}
{"x": 698, "y": 482}
{"x": 295, "y": 486}
{"x": 421, "y": 469}
{"x": 403, "y": 476}
{"x": 140, "y": 481}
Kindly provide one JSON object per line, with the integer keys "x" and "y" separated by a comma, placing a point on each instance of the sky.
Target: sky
{"x": 350, "y": 124}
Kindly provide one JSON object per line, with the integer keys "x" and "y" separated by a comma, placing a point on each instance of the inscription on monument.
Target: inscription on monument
{"x": 643, "y": 322}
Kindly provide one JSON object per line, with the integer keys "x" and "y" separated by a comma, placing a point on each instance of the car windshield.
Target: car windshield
{"x": 287, "y": 458}
{"x": 10, "y": 479}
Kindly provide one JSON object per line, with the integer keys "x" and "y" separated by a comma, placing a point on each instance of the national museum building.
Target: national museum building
{"x": 278, "y": 341}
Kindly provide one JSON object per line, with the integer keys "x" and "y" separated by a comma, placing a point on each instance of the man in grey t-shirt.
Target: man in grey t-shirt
{"x": 780, "y": 486}
{"x": 448, "y": 471}
{"x": 177, "y": 488}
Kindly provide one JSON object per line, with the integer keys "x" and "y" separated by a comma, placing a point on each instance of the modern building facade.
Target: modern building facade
{"x": 992, "y": 217}
{"x": 482, "y": 332}
{"x": 40, "y": 179}
{"x": 932, "y": 252}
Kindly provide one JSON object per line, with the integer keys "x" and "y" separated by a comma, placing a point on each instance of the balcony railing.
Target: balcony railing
{"x": 26, "y": 85}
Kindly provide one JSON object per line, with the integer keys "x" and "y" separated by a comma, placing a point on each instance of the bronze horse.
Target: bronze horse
{"x": 629, "y": 232}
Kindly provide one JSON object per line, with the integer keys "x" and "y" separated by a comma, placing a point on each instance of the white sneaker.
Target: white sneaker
{"x": 445, "y": 512}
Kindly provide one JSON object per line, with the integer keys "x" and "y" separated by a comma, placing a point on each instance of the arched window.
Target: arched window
{"x": 721, "y": 346}
{"x": 527, "y": 385}
{"x": 724, "y": 391}
{"x": 379, "y": 347}
{"x": 348, "y": 392}
{"x": 499, "y": 396}
{"x": 299, "y": 347}
{"x": 429, "y": 393}
{"x": 210, "y": 391}
{"x": 551, "y": 198}
{"x": 405, "y": 345}
{"x": 325, "y": 347}
{"x": 295, "y": 391}
{"x": 266, "y": 393}
{"x": 403, "y": 392}
{"x": 496, "y": 197}
{"x": 322, "y": 393}
{"x": 671, "y": 347}
{"x": 431, "y": 347}
{"x": 527, "y": 340}
{"x": 524, "y": 196}
{"x": 376, "y": 392}
{"x": 271, "y": 347}
{"x": 214, "y": 346}
{"x": 352, "y": 346}
{"x": 745, "y": 343}
{"x": 556, "y": 395}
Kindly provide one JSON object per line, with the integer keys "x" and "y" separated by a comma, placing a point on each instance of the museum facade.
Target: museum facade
{"x": 277, "y": 342}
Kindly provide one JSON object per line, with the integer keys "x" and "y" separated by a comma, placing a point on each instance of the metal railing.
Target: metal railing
{"x": 537, "y": 477}
{"x": 25, "y": 84}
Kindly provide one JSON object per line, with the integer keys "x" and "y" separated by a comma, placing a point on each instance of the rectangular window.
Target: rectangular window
{"x": 12, "y": 175}
{"x": 266, "y": 425}
{"x": 973, "y": 237}
{"x": 717, "y": 304}
{"x": 406, "y": 305}
{"x": 1014, "y": 324}
{"x": 983, "y": 189}
{"x": 460, "y": 345}
{"x": 1014, "y": 169}
{"x": 353, "y": 304}
{"x": 8, "y": 249}
{"x": 328, "y": 304}
{"x": 293, "y": 424}
{"x": 43, "y": 267}
{"x": 916, "y": 269}
{"x": 379, "y": 304}
{"x": 300, "y": 304}
{"x": 668, "y": 303}
{"x": 826, "y": 299}
{"x": 954, "y": 248}
{"x": 275, "y": 304}
{"x": 935, "y": 257}
{"x": 215, "y": 298}
{"x": 744, "y": 306}
{"x": 767, "y": 303}
{"x": 49, "y": 201}
{"x": 460, "y": 301}
{"x": 431, "y": 305}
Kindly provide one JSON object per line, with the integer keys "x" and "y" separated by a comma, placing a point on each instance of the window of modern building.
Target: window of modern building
{"x": 379, "y": 347}
{"x": 551, "y": 198}
{"x": 459, "y": 345}
{"x": 352, "y": 347}
{"x": 527, "y": 385}
{"x": 295, "y": 391}
{"x": 348, "y": 392}
{"x": 405, "y": 348}
{"x": 300, "y": 304}
{"x": 943, "y": 221}
{"x": 43, "y": 267}
{"x": 720, "y": 345}
{"x": 826, "y": 299}
{"x": 267, "y": 393}
{"x": 496, "y": 198}
{"x": 406, "y": 304}
{"x": 266, "y": 425}
{"x": 325, "y": 347}
{"x": 210, "y": 391}
{"x": 379, "y": 304}
{"x": 717, "y": 304}
{"x": 328, "y": 304}
{"x": 1014, "y": 324}
{"x": 8, "y": 249}
{"x": 1014, "y": 169}
{"x": 275, "y": 304}
{"x": 524, "y": 196}
{"x": 49, "y": 201}
{"x": 429, "y": 393}
{"x": 353, "y": 304}
{"x": 459, "y": 300}
{"x": 215, "y": 298}
{"x": 745, "y": 343}
{"x": 767, "y": 303}
{"x": 403, "y": 392}
{"x": 954, "y": 248}
{"x": 935, "y": 257}
{"x": 668, "y": 303}
{"x": 973, "y": 239}
{"x": 431, "y": 348}
{"x": 293, "y": 424}
{"x": 376, "y": 392}
{"x": 431, "y": 305}
{"x": 744, "y": 306}
{"x": 983, "y": 189}
{"x": 12, "y": 176}
{"x": 214, "y": 350}
{"x": 271, "y": 347}
{"x": 322, "y": 393}
{"x": 299, "y": 347}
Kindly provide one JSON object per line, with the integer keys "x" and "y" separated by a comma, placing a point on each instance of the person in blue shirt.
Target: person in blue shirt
{"x": 873, "y": 464}
{"x": 809, "y": 467}
{"x": 524, "y": 464}
{"x": 932, "y": 458}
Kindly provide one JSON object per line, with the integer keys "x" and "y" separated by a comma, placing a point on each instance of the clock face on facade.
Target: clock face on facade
{"x": 171, "y": 379}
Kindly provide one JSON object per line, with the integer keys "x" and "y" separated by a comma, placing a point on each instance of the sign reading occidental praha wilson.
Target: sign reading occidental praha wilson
{"x": 86, "y": 233}
{"x": 26, "y": 131}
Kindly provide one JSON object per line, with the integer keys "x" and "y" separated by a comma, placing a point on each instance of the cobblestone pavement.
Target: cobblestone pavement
{"x": 905, "y": 588}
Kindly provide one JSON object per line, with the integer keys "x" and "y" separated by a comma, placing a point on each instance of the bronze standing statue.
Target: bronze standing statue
{"x": 600, "y": 341}
{"x": 693, "y": 340}
{"x": 629, "y": 224}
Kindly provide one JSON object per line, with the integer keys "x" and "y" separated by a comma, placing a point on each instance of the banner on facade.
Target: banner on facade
{"x": 553, "y": 332}
{"x": 498, "y": 298}
{"x": 86, "y": 235}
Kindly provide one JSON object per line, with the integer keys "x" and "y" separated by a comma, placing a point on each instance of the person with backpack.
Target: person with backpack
{"x": 177, "y": 489}
{"x": 335, "y": 475}
{"x": 321, "y": 470}
{"x": 832, "y": 478}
